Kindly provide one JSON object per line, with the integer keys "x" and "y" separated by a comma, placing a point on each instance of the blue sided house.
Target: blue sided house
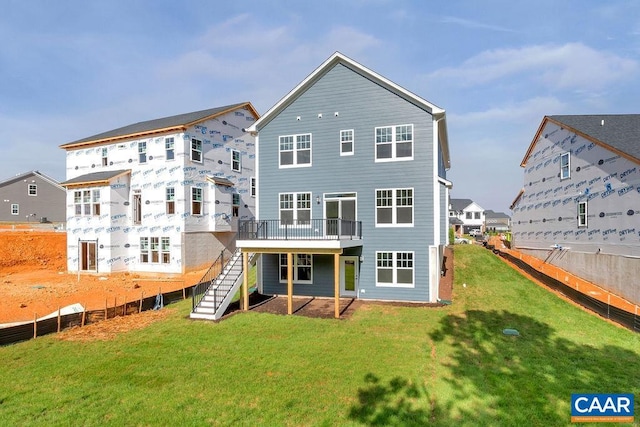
{"x": 352, "y": 195}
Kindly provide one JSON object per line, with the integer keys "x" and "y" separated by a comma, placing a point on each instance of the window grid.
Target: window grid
{"x": 142, "y": 152}
{"x": 196, "y": 150}
{"x": 32, "y": 190}
{"x": 395, "y": 269}
{"x": 394, "y": 207}
{"x": 346, "y": 142}
{"x": 171, "y": 200}
{"x": 302, "y": 268}
{"x": 253, "y": 187}
{"x": 565, "y": 165}
{"x": 196, "y": 201}
{"x": 295, "y": 209}
{"x": 394, "y": 143}
{"x": 169, "y": 147}
{"x": 582, "y": 214}
{"x": 236, "y": 164}
{"x": 105, "y": 159}
{"x": 15, "y": 209}
{"x": 235, "y": 205}
{"x": 295, "y": 150}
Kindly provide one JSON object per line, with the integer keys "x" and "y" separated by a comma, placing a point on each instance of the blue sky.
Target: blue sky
{"x": 71, "y": 69}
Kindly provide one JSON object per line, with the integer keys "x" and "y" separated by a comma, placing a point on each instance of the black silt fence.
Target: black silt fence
{"x": 622, "y": 317}
{"x": 27, "y": 331}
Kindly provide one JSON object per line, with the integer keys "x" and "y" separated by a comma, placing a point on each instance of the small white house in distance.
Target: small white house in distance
{"x": 163, "y": 195}
{"x": 468, "y": 212}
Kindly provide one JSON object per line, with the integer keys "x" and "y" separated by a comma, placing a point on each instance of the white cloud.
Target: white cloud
{"x": 474, "y": 24}
{"x": 526, "y": 112}
{"x": 569, "y": 66}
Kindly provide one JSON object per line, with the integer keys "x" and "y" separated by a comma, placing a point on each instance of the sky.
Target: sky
{"x": 72, "y": 69}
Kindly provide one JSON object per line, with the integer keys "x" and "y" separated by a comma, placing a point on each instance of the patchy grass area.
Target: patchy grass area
{"x": 384, "y": 366}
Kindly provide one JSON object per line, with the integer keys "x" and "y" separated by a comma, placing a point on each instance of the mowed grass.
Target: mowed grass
{"x": 386, "y": 365}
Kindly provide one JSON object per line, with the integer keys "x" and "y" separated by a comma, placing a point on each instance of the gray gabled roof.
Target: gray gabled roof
{"x": 459, "y": 204}
{"x": 619, "y": 133}
{"x": 159, "y": 125}
{"x": 31, "y": 173}
{"x": 94, "y": 178}
{"x": 495, "y": 215}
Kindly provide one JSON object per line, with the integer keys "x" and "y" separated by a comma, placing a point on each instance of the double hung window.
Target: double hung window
{"x": 394, "y": 143}
{"x": 236, "y": 164}
{"x": 196, "y": 150}
{"x": 346, "y": 142}
{"x": 142, "y": 152}
{"x": 295, "y": 209}
{"x": 582, "y": 214}
{"x": 196, "y": 201}
{"x": 169, "y": 148}
{"x": 395, "y": 269}
{"x": 394, "y": 207}
{"x": 302, "y": 268}
{"x": 295, "y": 150}
{"x": 565, "y": 165}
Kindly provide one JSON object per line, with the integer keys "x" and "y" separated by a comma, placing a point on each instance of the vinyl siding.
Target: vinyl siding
{"x": 49, "y": 202}
{"x": 362, "y": 106}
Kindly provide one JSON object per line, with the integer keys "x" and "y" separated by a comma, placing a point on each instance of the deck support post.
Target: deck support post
{"x": 289, "y": 283}
{"x": 336, "y": 283}
{"x": 245, "y": 284}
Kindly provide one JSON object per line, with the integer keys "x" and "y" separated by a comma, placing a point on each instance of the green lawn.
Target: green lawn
{"x": 384, "y": 366}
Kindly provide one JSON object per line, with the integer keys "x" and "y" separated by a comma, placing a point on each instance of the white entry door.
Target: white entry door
{"x": 349, "y": 276}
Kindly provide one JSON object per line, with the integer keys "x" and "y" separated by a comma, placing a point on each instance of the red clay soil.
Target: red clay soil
{"x": 34, "y": 281}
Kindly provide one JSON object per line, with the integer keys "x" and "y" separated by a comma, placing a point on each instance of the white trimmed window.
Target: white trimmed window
{"x": 15, "y": 209}
{"x": 295, "y": 209}
{"x": 346, "y": 142}
{"x": 395, "y": 269}
{"x": 32, "y": 190}
{"x": 170, "y": 200}
{"x": 394, "y": 143}
{"x": 165, "y": 250}
{"x": 253, "y": 186}
{"x": 155, "y": 250}
{"x": 582, "y": 214}
{"x": 105, "y": 156}
{"x": 196, "y": 150}
{"x": 169, "y": 148}
{"x": 144, "y": 249}
{"x": 86, "y": 202}
{"x": 235, "y": 205}
{"x": 302, "y": 268}
{"x": 295, "y": 150}
{"x": 394, "y": 207}
{"x": 236, "y": 163}
{"x": 142, "y": 152}
{"x": 196, "y": 201}
{"x": 565, "y": 165}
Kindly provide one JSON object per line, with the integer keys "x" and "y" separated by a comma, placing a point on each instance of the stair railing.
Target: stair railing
{"x": 200, "y": 289}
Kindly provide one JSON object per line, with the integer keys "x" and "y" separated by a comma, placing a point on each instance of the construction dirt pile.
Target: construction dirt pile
{"x": 34, "y": 281}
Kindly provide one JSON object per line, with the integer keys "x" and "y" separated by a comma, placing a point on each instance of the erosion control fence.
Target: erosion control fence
{"x": 38, "y": 328}
{"x": 622, "y": 317}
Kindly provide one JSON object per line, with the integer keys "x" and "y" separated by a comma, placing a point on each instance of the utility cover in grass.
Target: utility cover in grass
{"x": 513, "y": 332}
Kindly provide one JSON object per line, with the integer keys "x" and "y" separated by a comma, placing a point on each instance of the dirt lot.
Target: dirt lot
{"x": 34, "y": 281}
